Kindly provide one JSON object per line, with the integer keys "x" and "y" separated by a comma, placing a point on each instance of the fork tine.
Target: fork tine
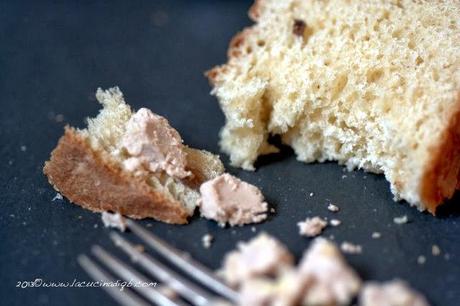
{"x": 176, "y": 282}
{"x": 128, "y": 273}
{"x": 125, "y": 297}
{"x": 185, "y": 263}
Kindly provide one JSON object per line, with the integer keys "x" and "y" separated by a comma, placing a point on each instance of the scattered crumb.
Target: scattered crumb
{"x": 23, "y": 148}
{"x": 272, "y": 210}
{"x": 58, "y": 196}
{"x": 113, "y": 220}
{"x": 311, "y": 194}
{"x": 80, "y": 217}
{"x": 149, "y": 225}
{"x": 400, "y": 220}
{"x": 253, "y": 229}
{"x": 395, "y": 292}
{"x": 95, "y": 225}
{"x": 10, "y": 162}
{"x": 207, "y": 240}
{"x": 376, "y": 235}
{"x": 350, "y": 248}
{"x": 335, "y": 222}
{"x": 311, "y": 227}
{"x": 447, "y": 256}
{"x": 435, "y": 250}
{"x": 344, "y": 176}
{"x": 333, "y": 208}
{"x": 421, "y": 260}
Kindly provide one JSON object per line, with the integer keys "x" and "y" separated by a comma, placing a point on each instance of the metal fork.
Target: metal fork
{"x": 191, "y": 292}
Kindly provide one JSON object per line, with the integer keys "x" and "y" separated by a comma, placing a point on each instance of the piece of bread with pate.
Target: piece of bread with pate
{"x": 371, "y": 84}
{"x": 131, "y": 163}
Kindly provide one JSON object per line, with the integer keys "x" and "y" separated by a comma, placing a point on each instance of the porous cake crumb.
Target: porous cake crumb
{"x": 351, "y": 248}
{"x": 114, "y": 220}
{"x": 376, "y": 235}
{"x": 311, "y": 227}
{"x": 207, "y": 240}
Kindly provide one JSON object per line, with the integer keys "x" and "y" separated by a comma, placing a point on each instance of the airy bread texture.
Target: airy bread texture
{"x": 86, "y": 167}
{"x": 371, "y": 84}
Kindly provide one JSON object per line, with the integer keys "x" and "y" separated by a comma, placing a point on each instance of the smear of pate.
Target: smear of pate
{"x": 228, "y": 199}
{"x": 153, "y": 144}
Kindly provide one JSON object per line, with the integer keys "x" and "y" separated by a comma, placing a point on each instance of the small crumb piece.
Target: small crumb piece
{"x": 335, "y": 222}
{"x": 311, "y": 194}
{"x": 58, "y": 196}
{"x": 23, "y": 148}
{"x": 263, "y": 255}
{"x": 421, "y": 260}
{"x": 333, "y": 208}
{"x": 207, "y": 240}
{"x": 351, "y": 248}
{"x": 400, "y": 220}
{"x": 272, "y": 210}
{"x": 253, "y": 229}
{"x": 113, "y": 220}
{"x": 311, "y": 227}
{"x": 376, "y": 235}
{"x": 394, "y": 293}
{"x": 95, "y": 225}
{"x": 435, "y": 250}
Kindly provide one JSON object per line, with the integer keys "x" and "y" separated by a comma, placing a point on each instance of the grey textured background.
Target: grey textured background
{"x": 53, "y": 56}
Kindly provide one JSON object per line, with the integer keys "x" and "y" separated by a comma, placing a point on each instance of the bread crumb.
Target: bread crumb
{"x": 253, "y": 229}
{"x": 113, "y": 220}
{"x": 376, "y": 235}
{"x": 333, "y": 208}
{"x": 335, "y": 222}
{"x": 311, "y": 194}
{"x": 23, "y": 148}
{"x": 272, "y": 210}
{"x": 435, "y": 250}
{"x": 400, "y": 220}
{"x": 58, "y": 196}
{"x": 421, "y": 260}
{"x": 207, "y": 240}
{"x": 311, "y": 227}
{"x": 350, "y": 248}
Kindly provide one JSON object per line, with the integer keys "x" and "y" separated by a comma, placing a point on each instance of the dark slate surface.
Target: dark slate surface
{"x": 54, "y": 55}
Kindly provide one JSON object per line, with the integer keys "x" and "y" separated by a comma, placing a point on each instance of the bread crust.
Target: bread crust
{"x": 441, "y": 177}
{"x": 94, "y": 182}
